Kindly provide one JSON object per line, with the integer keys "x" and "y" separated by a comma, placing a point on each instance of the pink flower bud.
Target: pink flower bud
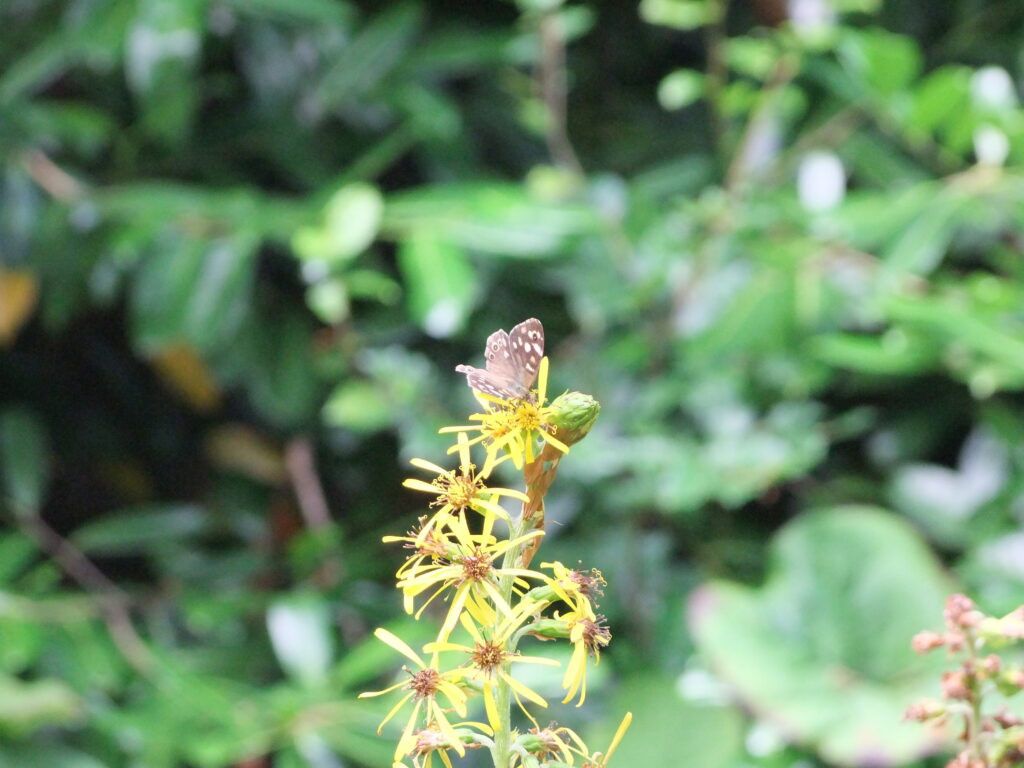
{"x": 991, "y": 664}
{"x": 923, "y": 710}
{"x": 960, "y": 612}
{"x": 927, "y": 641}
{"x": 955, "y": 685}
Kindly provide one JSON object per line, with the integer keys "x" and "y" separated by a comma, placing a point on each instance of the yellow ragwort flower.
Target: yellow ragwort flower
{"x": 433, "y": 741}
{"x": 577, "y": 588}
{"x": 469, "y": 568}
{"x": 424, "y": 687}
{"x": 587, "y": 635}
{"x": 489, "y": 659}
{"x": 514, "y": 426}
{"x": 462, "y": 489}
{"x": 554, "y": 742}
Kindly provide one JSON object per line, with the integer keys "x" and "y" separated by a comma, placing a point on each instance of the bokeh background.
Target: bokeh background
{"x": 245, "y": 242}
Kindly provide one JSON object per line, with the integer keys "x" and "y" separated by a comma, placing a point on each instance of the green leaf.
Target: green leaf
{"x": 360, "y": 406}
{"x": 495, "y": 218}
{"x": 193, "y": 290}
{"x": 885, "y": 62}
{"x": 370, "y": 55}
{"x": 678, "y": 14}
{"x": 273, "y": 360}
{"x": 327, "y": 12}
{"x": 23, "y": 461}
{"x": 351, "y": 221}
{"x": 712, "y": 735}
{"x": 300, "y": 632}
{"x": 680, "y": 88}
{"x": 26, "y": 707}
{"x": 440, "y": 283}
{"x": 49, "y": 755}
{"x": 162, "y": 55}
{"x": 823, "y": 648}
{"x": 895, "y": 353}
{"x": 140, "y": 529}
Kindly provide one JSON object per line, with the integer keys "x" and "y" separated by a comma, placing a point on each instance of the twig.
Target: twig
{"x": 111, "y": 599}
{"x": 551, "y": 79}
{"x": 785, "y": 70}
{"x": 60, "y": 184}
{"x": 301, "y": 464}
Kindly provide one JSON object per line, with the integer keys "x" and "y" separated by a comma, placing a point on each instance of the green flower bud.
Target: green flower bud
{"x": 574, "y": 413}
{"x": 552, "y": 628}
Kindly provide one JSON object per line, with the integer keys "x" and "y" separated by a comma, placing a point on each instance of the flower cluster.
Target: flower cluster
{"x": 989, "y": 740}
{"x": 472, "y": 556}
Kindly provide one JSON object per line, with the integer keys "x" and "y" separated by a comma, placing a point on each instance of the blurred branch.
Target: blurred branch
{"x": 112, "y": 600}
{"x": 760, "y": 121}
{"x": 300, "y": 460}
{"x": 551, "y": 79}
{"x": 60, "y": 184}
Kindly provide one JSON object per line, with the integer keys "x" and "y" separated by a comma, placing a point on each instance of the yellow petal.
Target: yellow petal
{"x": 399, "y": 645}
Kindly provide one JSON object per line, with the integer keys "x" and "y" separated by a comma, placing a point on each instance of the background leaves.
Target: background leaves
{"x": 244, "y": 244}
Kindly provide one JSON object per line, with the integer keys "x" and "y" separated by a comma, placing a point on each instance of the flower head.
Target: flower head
{"x": 424, "y": 687}
{"x": 514, "y": 426}
{"x": 468, "y": 569}
{"x": 456, "y": 490}
{"x": 578, "y": 588}
{"x": 489, "y": 657}
{"x": 432, "y": 740}
{"x": 588, "y": 635}
{"x": 553, "y": 742}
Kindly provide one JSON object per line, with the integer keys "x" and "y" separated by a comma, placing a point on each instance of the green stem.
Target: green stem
{"x": 503, "y": 695}
{"x": 974, "y": 724}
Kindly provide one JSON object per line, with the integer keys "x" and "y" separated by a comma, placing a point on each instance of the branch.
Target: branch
{"x": 112, "y": 600}
{"x": 300, "y": 461}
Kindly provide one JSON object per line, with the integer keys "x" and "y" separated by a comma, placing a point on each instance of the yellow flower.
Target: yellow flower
{"x": 424, "y": 686}
{"x": 514, "y": 425}
{"x": 430, "y": 545}
{"x": 462, "y": 489}
{"x": 432, "y": 740}
{"x": 588, "y": 635}
{"x": 489, "y": 658}
{"x": 600, "y": 760}
{"x": 554, "y": 742}
{"x": 468, "y": 567}
{"x": 577, "y": 588}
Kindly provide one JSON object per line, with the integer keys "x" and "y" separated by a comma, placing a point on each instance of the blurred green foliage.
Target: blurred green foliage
{"x": 244, "y": 243}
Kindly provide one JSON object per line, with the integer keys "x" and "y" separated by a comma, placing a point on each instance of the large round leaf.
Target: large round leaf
{"x": 823, "y": 648}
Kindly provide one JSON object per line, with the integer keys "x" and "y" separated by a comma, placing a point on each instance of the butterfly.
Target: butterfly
{"x": 512, "y": 362}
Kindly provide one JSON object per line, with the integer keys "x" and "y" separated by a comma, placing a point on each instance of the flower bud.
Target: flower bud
{"x": 923, "y": 710}
{"x": 955, "y": 685}
{"x": 550, "y": 629}
{"x": 960, "y": 612}
{"x": 1007, "y": 719}
{"x": 991, "y": 664}
{"x": 954, "y": 641}
{"x": 927, "y": 641}
{"x": 573, "y": 414}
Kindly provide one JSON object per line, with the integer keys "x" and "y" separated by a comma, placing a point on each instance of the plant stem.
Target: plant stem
{"x": 538, "y": 476}
{"x": 503, "y": 694}
{"x": 974, "y": 719}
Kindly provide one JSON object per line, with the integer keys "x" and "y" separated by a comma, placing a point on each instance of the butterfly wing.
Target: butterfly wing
{"x": 526, "y": 348}
{"x": 488, "y": 383}
{"x": 512, "y": 362}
